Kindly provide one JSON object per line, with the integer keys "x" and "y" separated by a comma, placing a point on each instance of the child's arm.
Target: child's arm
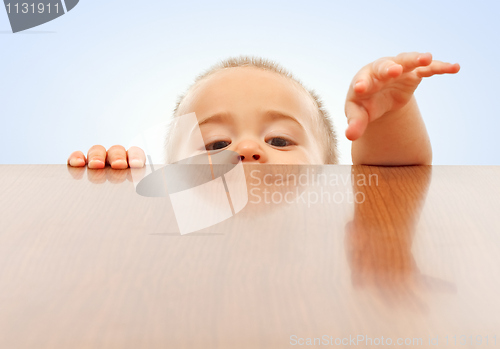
{"x": 384, "y": 122}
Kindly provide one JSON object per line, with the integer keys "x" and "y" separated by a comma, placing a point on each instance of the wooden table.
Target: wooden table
{"x": 85, "y": 262}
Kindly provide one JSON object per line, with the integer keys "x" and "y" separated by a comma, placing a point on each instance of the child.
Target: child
{"x": 257, "y": 109}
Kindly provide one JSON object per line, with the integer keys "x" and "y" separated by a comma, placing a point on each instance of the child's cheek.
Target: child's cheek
{"x": 292, "y": 157}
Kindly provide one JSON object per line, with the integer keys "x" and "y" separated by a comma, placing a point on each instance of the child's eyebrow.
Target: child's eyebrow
{"x": 273, "y": 115}
{"x": 277, "y": 115}
{"x": 218, "y": 118}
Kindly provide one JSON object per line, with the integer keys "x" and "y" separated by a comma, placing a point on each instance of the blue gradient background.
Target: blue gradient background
{"x": 107, "y": 69}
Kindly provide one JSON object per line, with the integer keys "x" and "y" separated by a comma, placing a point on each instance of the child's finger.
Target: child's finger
{"x": 412, "y": 60}
{"x": 385, "y": 69}
{"x": 357, "y": 120}
{"x": 437, "y": 67}
{"x": 77, "y": 159}
{"x": 362, "y": 83}
{"x": 96, "y": 156}
{"x": 136, "y": 157}
{"x": 117, "y": 157}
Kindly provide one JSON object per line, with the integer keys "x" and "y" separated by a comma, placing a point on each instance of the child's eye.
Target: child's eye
{"x": 217, "y": 145}
{"x": 279, "y": 142}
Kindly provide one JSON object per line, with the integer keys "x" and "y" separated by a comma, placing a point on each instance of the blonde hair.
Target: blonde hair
{"x": 324, "y": 123}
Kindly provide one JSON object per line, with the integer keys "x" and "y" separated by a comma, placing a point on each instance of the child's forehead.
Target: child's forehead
{"x": 249, "y": 77}
{"x": 248, "y": 87}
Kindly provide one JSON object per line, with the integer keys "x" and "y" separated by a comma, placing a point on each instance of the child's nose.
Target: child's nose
{"x": 251, "y": 151}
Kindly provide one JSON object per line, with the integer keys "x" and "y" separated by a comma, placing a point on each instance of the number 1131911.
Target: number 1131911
{"x": 31, "y": 8}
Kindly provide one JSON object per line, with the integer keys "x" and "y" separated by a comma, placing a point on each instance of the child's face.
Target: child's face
{"x": 263, "y": 116}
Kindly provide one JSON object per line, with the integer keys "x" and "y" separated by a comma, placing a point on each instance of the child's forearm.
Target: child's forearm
{"x": 396, "y": 139}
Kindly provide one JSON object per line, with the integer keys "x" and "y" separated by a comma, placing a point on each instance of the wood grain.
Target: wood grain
{"x": 85, "y": 262}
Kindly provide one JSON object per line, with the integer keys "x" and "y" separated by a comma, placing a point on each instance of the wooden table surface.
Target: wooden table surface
{"x": 86, "y": 262}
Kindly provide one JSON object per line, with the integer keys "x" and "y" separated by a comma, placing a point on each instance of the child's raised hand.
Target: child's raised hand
{"x": 386, "y": 85}
{"x": 116, "y": 156}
